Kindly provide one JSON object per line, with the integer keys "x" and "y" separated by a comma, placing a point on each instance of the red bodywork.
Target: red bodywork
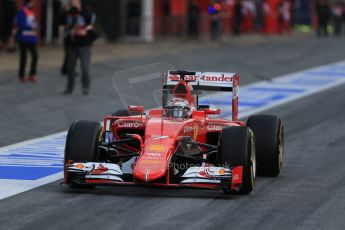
{"x": 158, "y": 137}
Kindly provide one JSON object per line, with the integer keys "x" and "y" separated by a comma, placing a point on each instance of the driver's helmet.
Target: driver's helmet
{"x": 177, "y": 107}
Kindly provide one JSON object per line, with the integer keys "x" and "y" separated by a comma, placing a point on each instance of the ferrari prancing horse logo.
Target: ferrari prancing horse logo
{"x": 196, "y": 130}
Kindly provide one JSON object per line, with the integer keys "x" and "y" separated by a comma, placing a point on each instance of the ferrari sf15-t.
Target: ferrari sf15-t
{"x": 182, "y": 144}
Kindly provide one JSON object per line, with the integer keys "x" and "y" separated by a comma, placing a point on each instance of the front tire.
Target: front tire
{"x": 269, "y": 136}
{"x": 237, "y": 148}
{"x": 81, "y": 145}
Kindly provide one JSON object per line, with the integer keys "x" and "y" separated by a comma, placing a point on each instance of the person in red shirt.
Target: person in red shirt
{"x": 266, "y": 12}
{"x": 248, "y": 12}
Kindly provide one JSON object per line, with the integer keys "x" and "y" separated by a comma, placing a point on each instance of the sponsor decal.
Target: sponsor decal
{"x": 207, "y": 77}
{"x": 188, "y": 129}
{"x": 214, "y": 127}
{"x": 237, "y": 175}
{"x": 79, "y": 166}
{"x": 129, "y": 125}
{"x": 150, "y": 161}
{"x": 174, "y": 77}
{"x": 214, "y": 172}
{"x": 203, "y": 173}
{"x": 159, "y": 137}
{"x": 216, "y": 78}
{"x": 194, "y": 129}
{"x": 154, "y": 154}
{"x": 191, "y": 78}
{"x": 99, "y": 170}
{"x": 94, "y": 168}
{"x": 156, "y": 148}
{"x": 221, "y": 171}
{"x": 207, "y": 172}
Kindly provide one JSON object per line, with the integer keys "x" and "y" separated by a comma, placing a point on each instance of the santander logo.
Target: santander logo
{"x": 207, "y": 77}
{"x": 216, "y": 78}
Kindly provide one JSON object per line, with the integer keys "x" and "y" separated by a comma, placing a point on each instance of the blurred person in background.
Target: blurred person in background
{"x": 237, "y": 22}
{"x": 193, "y": 19}
{"x": 57, "y": 7}
{"x": 258, "y": 16}
{"x": 249, "y": 14}
{"x": 8, "y": 10}
{"x": 80, "y": 22}
{"x": 64, "y": 14}
{"x": 296, "y": 12}
{"x": 337, "y": 13}
{"x": 27, "y": 38}
{"x": 214, "y": 10}
{"x": 323, "y": 13}
{"x": 285, "y": 17}
{"x": 1, "y": 23}
{"x": 266, "y": 11}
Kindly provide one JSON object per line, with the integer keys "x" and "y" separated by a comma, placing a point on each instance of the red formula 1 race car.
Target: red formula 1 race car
{"x": 182, "y": 144}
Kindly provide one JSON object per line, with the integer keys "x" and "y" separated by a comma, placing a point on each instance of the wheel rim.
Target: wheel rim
{"x": 280, "y": 147}
{"x": 253, "y": 161}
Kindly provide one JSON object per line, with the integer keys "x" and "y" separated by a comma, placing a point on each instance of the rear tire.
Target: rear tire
{"x": 82, "y": 145}
{"x": 269, "y": 136}
{"x": 236, "y": 148}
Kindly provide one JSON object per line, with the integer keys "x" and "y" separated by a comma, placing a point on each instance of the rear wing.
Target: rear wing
{"x": 207, "y": 81}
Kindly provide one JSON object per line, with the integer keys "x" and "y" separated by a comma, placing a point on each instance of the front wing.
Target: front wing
{"x": 208, "y": 177}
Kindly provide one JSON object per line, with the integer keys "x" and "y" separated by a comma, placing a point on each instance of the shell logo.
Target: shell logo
{"x": 156, "y": 148}
{"x": 174, "y": 77}
{"x": 79, "y": 166}
{"x": 221, "y": 171}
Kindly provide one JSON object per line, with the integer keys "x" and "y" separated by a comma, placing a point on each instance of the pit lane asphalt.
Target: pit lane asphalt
{"x": 29, "y": 111}
{"x": 309, "y": 194}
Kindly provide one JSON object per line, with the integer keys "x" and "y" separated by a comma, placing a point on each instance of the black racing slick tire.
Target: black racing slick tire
{"x": 82, "y": 144}
{"x": 237, "y": 148}
{"x": 269, "y": 136}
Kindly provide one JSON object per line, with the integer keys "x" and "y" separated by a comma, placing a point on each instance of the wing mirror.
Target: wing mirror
{"x": 212, "y": 111}
{"x": 136, "y": 108}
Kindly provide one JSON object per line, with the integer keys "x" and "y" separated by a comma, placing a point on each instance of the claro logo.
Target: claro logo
{"x": 129, "y": 125}
{"x": 215, "y": 127}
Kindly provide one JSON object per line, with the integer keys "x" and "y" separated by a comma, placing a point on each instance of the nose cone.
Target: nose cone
{"x": 159, "y": 146}
{"x": 149, "y": 169}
